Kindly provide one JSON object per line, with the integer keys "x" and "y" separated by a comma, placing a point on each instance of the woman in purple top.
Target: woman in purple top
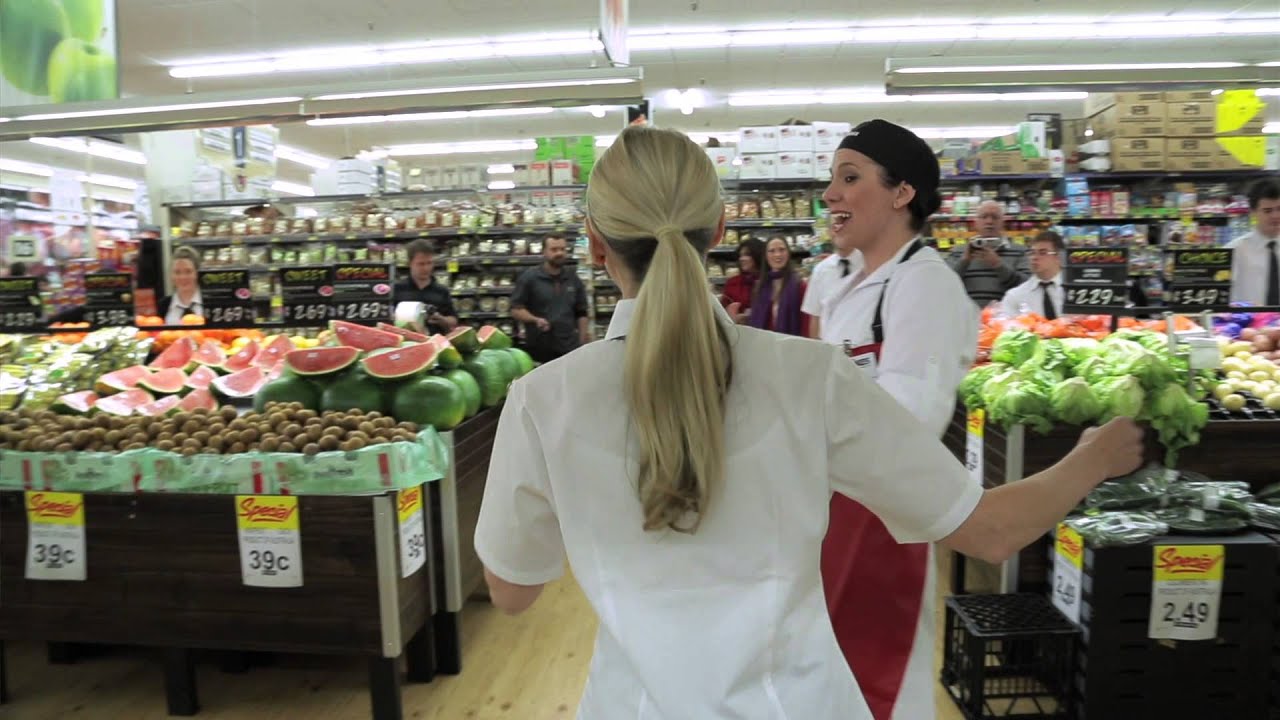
{"x": 779, "y": 293}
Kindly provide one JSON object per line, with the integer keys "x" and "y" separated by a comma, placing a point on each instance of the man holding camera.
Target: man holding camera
{"x": 990, "y": 265}
{"x": 421, "y": 286}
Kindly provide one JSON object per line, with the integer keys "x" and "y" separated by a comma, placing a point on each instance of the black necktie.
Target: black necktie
{"x": 844, "y": 267}
{"x": 1049, "y": 311}
{"x": 1273, "y": 275}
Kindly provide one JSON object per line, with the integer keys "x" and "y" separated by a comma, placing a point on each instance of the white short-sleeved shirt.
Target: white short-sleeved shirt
{"x": 1249, "y": 263}
{"x": 823, "y": 280}
{"x": 729, "y": 622}
{"x": 1031, "y": 296}
{"x": 930, "y": 330}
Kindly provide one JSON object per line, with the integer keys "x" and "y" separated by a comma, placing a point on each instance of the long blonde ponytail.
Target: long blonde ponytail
{"x": 655, "y": 198}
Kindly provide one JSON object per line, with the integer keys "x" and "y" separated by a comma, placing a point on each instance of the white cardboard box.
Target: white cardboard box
{"x": 540, "y": 172}
{"x": 431, "y": 177}
{"x": 564, "y": 172}
{"x": 795, "y": 165}
{"x": 760, "y": 139}
{"x": 827, "y": 135}
{"x": 723, "y": 159}
{"x": 353, "y": 165}
{"x": 759, "y": 166}
{"x": 795, "y": 138}
{"x": 822, "y": 162}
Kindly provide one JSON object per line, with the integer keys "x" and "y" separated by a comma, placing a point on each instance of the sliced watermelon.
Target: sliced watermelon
{"x": 491, "y": 338}
{"x": 240, "y": 385}
{"x": 320, "y": 361}
{"x": 362, "y": 337}
{"x": 177, "y": 355}
{"x": 163, "y": 406}
{"x": 408, "y": 335}
{"x": 242, "y": 359}
{"x": 197, "y": 399}
{"x": 200, "y": 379}
{"x": 449, "y": 356}
{"x": 273, "y": 354}
{"x": 121, "y": 380}
{"x": 403, "y": 362}
{"x": 210, "y": 354}
{"x": 76, "y": 403}
{"x": 125, "y": 403}
{"x": 165, "y": 382}
{"x": 464, "y": 338}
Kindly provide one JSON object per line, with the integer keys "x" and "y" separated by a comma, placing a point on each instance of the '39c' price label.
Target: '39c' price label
{"x": 55, "y": 537}
{"x": 270, "y": 540}
{"x": 413, "y": 535}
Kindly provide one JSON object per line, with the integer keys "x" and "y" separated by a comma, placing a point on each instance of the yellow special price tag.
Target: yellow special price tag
{"x": 1068, "y": 574}
{"x": 55, "y": 508}
{"x": 977, "y": 422}
{"x": 1070, "y": 545}
{"x": 266, "y": 512}
{"x": 1235, "y": 109}
{"x": 975, "y": 425}
{"x": 413, "y": 533}
{"x": 408, "y": 502}
{"x": 55, "y": 536}
{"x": 1186, "y": 591}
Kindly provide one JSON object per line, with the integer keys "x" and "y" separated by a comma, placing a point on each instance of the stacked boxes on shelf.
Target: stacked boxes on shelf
{"x": 786, "y": 152}
{"x": 1184, "y": 131}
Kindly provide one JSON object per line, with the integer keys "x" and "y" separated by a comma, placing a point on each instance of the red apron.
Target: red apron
{"x": 874, "y": 585}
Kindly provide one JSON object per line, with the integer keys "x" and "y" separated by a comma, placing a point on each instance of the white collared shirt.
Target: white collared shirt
{"x": 177, "y": 309}
{"x": 1029, "y": 297}
{"x": 824, "y": 279}
{"x": 930, "y": 330}
{"x": 729, "y": 622}
{"x": 1249, "y": 263}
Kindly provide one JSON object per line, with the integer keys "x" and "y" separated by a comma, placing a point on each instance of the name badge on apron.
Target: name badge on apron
{"x": 866, "y": 357}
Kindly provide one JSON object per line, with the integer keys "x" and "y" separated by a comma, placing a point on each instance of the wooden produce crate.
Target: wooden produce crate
{"x": 1238, "y": 449}
{"x": 164, "y": 571}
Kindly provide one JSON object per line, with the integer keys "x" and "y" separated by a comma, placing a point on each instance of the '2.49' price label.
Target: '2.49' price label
{"x": 270, "y": 540}
{"x": 1186, "y": 592}
{"x": 55, "y": 536}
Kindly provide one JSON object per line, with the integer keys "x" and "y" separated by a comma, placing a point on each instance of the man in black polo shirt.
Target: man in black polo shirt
{"x": 421, "y": 287}
{"x": 551, "y": 302}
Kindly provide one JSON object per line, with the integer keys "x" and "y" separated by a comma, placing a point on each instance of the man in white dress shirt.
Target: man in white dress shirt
{"x": 825, "y": 278}
{"x": 1255, "y": 264}
{"x": 1043, "y": 293}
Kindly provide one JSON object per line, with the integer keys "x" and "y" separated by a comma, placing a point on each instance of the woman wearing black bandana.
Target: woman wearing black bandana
{"x": 903, "y": 316}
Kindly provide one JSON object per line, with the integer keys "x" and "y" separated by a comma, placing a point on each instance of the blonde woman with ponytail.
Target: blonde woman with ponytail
{"x": 681, "y": 467}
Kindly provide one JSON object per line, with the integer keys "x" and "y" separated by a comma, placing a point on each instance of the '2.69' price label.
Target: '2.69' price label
{"x": 307, "y": 312}
{"x": 372, "y": 310}
{"x": 229, "y": 315}
{"x": 1095, "y": 296}
{"x": 55, "y": 536}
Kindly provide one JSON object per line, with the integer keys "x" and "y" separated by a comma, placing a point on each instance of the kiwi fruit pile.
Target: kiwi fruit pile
{"x": 281, "y": 427}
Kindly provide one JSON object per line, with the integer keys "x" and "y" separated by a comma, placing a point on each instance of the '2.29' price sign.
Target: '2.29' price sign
{"x": 1091, "y": 296}
{"x": 1095, "y": 279}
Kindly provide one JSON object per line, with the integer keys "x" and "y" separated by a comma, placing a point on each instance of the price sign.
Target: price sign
{"x": 228, "y": 301}
{"x": 270, "y": 540}
{"x": 1095, "y": 280}
{"x": 1186, "y": 591}
{"x": 1068, "y": 571}
{"x": 306, "y": 293}
{"x": 973, "y": 454}
{"x": 362, "y": 292}
{"x": 20, "y": 303}
{"x": 413, "y": 534}
{"x": 55, "y": 536}
{"x": 108, "y": 299}
{"x": 1198, "y": 278}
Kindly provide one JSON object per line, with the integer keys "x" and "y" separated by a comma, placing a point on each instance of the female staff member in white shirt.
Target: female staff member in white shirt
{"x": 685, "y": 466}
{"x": 904, "y": 317}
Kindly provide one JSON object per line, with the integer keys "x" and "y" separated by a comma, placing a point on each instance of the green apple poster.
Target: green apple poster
{"x": 57, "y": 51}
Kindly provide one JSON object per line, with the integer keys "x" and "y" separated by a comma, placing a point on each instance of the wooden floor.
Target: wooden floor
{"x": 531, "y": 667}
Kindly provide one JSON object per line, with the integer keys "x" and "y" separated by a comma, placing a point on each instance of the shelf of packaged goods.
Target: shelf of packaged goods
{"x": 731, "y": 251}
{"x": 1080, "y": 220}
{"x": 364, "y": 197}
{"x": 497, "y": 261}
{"x": 468, "y": 292}
{"x": 484, "y": 316}
{"x": 771, "y": 184}
{"x": 772, "y": 223}
{"x": 393, "y": 236}
{"x": 1217, "y": 174}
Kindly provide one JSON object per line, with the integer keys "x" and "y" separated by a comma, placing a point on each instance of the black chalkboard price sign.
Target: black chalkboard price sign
{"x": 1197, "y": 278}
{"x": 306, "y": 292}
{"x": 362, "y": 292}
{"x": 108, "y": 299}
{"x": 1096, "y": 279}
{"x": 20, "y": 307}
{"x": 227, "y": 299}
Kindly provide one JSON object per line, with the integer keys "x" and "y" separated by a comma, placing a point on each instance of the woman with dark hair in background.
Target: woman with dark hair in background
{"x": 779, "y": 294}
{"x": 738, "y": 289}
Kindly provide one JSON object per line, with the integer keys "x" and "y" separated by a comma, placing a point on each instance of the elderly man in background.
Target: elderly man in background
{"x": 990, "y": 265}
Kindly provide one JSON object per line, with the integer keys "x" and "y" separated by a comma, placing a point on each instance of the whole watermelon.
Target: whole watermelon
{"x": 505, "y": 361}
{"x": 430, "y": 400}
{"x": 489, "y": 376}
{"x": 469, "y": 387}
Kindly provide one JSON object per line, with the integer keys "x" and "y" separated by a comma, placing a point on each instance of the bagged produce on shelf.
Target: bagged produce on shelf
{"x": 1142, "y": 490}
{"x": 1231, "y": 498}
{"x": 1269, "y": 494}
{"x": 1264, "y": 517}
{"x": 1109, "y": 529}
{"x": 1198, "y": 521}
{"x": 67, "y": 471}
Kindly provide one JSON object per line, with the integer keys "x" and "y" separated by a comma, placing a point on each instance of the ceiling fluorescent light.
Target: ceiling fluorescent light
{"x": 502, "y": 169}
{"x": 1268, "y": 92}
{"x": 109, "y": 181}
{"x": 429, "y": 116}
{"x": 459, "y": 148}
{"x": 1271, "y": 128}
{"x": 597, "y": 111}
{"x": 980, "y": 131}
{"x": 874, "y": 97}
{"x": 1069, "y": 67}
{"x": 97, "y": 148}
{"x": 25, "y": 168}
{"x": 291, "y": 188}
{"x": 155, "y": 109}
{"x": 302, "y": 157}
{"x": 528, "y": 85}
{"x": 502, "y": 185}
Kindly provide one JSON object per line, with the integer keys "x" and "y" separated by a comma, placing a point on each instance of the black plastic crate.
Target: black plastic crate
{"x": 1274, "y": 665}
{"x": 1123, "y": 674}
{"x": 1008, "y": 656}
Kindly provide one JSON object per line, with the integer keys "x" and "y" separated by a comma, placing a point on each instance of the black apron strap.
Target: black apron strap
{"x": 877, "y": 324}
